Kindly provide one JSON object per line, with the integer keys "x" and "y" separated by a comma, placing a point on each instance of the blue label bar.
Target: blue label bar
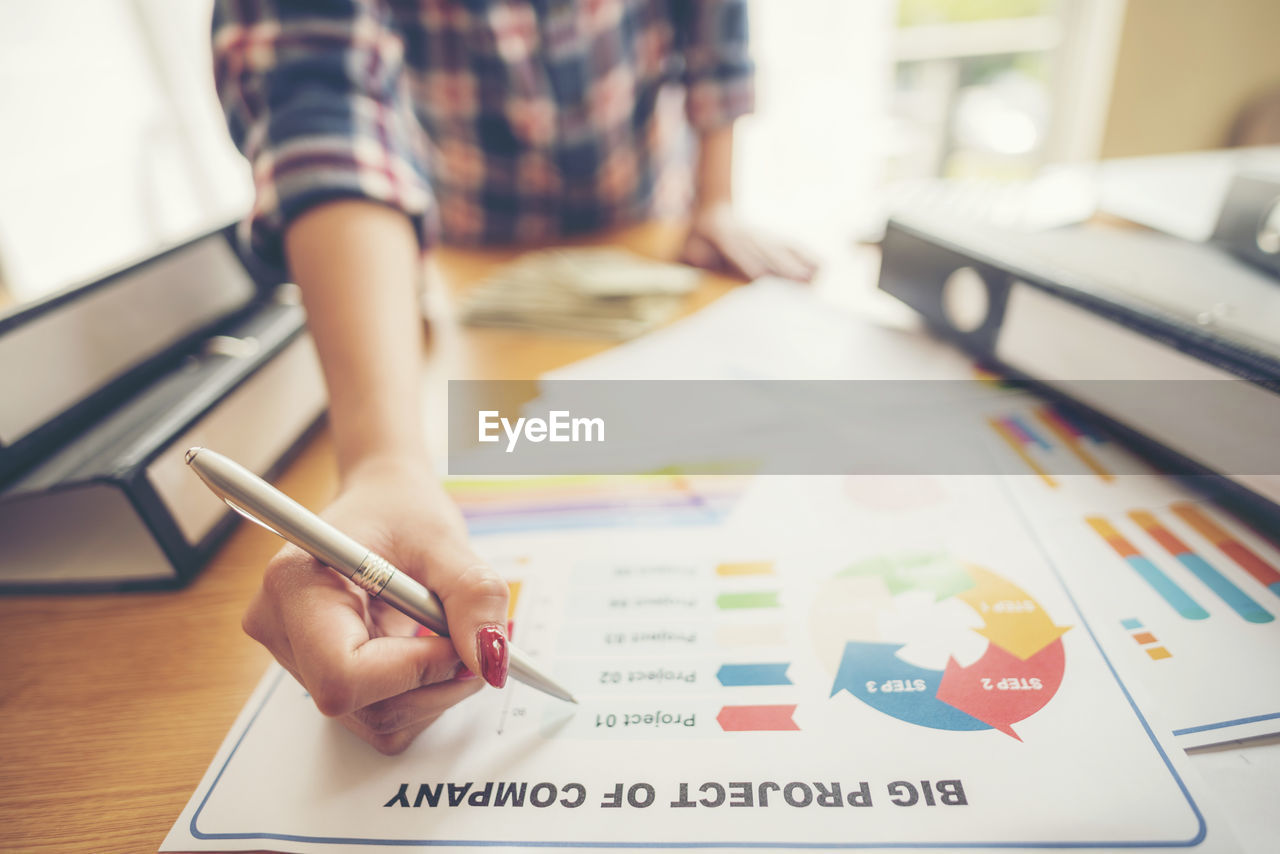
{"x": 736, "y": 675}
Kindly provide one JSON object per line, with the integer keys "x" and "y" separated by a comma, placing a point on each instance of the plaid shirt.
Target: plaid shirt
{"x": 484, "y": 120}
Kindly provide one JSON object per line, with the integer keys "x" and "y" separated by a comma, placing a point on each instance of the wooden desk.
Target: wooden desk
{"x": 113, "y": 705}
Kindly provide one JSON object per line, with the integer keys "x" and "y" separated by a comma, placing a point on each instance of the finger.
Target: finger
{"x": 376, "y": 670}
{"x": 340, "y": 665}
{"x": 262, "y": 622}
{"x": 784, "y": 262}
{"x": 475, "y": 604}
{"x": 388, "y": 744}
{"x": 808, "y": 262}
{"x": 391, "y": 725}
{"x": 700, "y": 253}
{"x": 743, "y": 259}
{"x": 389, "y": 621}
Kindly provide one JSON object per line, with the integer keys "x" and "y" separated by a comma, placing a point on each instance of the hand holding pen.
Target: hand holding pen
{"x": 354, "y": 652}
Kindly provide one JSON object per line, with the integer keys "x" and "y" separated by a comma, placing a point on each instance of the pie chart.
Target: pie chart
{"x": 938, "y": 643}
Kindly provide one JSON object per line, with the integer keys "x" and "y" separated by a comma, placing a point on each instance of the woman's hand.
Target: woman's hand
{"x": 358, "y": 658}
{"x": 718, "y": 240}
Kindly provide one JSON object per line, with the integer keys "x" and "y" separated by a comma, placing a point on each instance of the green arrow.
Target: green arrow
{"x": 763, "y": 599}
{"x": 922, "y": 571}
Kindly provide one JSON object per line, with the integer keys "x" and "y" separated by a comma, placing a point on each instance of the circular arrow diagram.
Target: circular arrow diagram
{"x": 1017, "y": 676}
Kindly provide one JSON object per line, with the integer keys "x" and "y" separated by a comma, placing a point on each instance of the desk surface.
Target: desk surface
{"x": 114, "y": 704}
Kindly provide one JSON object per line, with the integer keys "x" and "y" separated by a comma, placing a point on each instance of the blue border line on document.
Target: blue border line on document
{"x": 1195, "y": 840}
{"x": 1237, "y": 722}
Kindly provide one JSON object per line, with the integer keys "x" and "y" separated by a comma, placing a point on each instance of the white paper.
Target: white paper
{"x": 1144, "y": 557}
{"x": 817, "y": 341}
{"x": 773, "y": 329}
{"x": 1179, "y": 194}
{"x": 632, "y": 618}
{"x": 736, "y": 660}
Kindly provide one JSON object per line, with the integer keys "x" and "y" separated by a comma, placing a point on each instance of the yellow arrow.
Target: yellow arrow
{"x": 1014, "y": 621}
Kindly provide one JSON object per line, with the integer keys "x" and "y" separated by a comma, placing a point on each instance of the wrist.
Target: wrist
{"x": 714, "y": 175}
{"x": 389, "y": 461}
{"x": 709, "y": 215}
{"x": 709, "y": 206}
{"x": 383, "y": 431}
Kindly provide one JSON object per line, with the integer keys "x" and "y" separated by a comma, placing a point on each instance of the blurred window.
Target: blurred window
{"x": 113, "y": 147}
{"x": 997, "y": 88}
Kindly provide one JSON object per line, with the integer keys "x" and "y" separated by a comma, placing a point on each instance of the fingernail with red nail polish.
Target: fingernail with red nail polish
{"x": 492, "y": 644}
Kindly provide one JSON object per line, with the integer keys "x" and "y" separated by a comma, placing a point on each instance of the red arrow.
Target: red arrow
{"x": 756, "y": 718}
{"x": 1000, "y": 689}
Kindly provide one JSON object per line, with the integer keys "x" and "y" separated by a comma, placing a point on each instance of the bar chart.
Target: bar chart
{"x": 1162, "y": 584}
{"x": 1051, "y": 442}
{"x": 1189, "y": 600}
{"x": 1247, "y": 559}
{"x": 1173, "y": 590}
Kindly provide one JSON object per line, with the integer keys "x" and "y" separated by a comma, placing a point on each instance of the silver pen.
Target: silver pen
{"x": 260, "y": 502}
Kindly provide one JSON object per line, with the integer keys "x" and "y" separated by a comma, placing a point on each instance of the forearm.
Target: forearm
{"x": 357, "y": 264}
{"x": 713, "y": 176}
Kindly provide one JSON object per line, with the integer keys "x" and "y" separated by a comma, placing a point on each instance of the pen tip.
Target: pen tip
{"x": 191, "y": 453}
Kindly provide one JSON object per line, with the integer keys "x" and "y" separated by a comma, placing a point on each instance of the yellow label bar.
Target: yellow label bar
{"x": 755, "y": 567}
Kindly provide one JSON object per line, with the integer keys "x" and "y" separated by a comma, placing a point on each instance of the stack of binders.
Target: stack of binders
{"x": 105, "y": 386}
{"x": 1175, "y": 344}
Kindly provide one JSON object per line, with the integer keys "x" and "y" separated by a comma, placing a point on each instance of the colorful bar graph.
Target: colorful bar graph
{"x": 1237, "y": 599}
{"x": 755, "y": 567}
{"x": 1070, "y": 435}
{"x": 1245, "y": 557}
{"x": 757, "y": 718}
{"x": 1013, "y": 439}
{"x": 1148, "y": 571}
{"x": 738, "y": 675}
{"x": 749, "y": 599}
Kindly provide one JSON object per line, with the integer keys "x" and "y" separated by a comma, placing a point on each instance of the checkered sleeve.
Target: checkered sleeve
{"x": 314, "y": 99}
{"x": 719, "y": 75}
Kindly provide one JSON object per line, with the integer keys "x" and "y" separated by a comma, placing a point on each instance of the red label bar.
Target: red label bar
{"x": 757, "y": 718}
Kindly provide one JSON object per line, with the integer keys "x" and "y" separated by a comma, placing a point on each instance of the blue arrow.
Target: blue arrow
{"x": 874, "y": 674}
{"x": 735, "y": 675}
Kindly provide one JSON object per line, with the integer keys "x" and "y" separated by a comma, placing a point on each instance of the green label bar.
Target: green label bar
{"x": 761, "y": 599}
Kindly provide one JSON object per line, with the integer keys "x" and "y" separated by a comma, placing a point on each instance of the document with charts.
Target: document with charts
{"x": 1185, "y": 598}
{"x": 1183, "y": 594}
{"x": 831, "y": 662}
